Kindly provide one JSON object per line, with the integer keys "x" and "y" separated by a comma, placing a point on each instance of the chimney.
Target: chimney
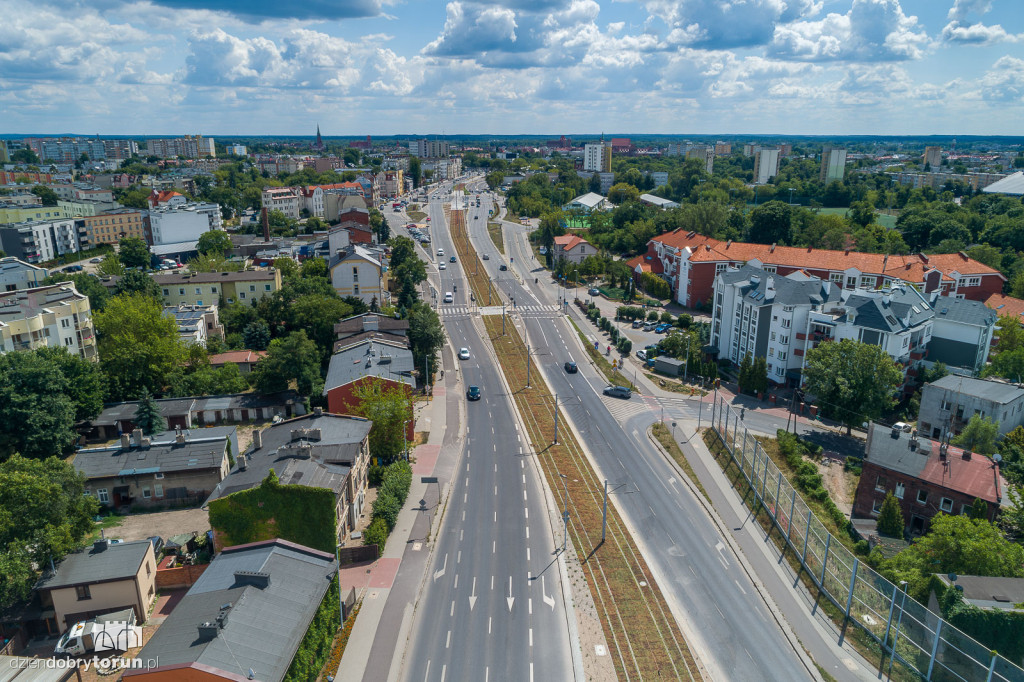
{"x": 126, "y": 441}
{"x": 772, "y": 250}
{"x": 318, "y": 411}
{"x": 755, "y": 280}
{"x": 826, "y": 288}
{"x": 265, "y": 221}
{"x": 137, "y": 436}
{"x": 254, "y": 578}
{"x": 770, "y": 284}
{"x": 208, "y": 630}
{"x": 257, "y": 439}
{"x": 243, "y": 462}
{"x": 179, "y": 437}
{"x": 100, "y": 545}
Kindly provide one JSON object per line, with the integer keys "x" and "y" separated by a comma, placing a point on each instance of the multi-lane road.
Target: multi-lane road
{"x": 493, "y": 606}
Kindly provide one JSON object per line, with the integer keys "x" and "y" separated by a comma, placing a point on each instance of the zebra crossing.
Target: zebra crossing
{"x": 524, "y": 310}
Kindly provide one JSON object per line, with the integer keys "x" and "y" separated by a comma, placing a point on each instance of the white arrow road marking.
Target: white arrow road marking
{"x": 550, "y": 601}
{"x": 472, "y": 597}
{"x": 509, "y": 599}
{"x": 721, "y": 552}
{"x": 438, "y": 574}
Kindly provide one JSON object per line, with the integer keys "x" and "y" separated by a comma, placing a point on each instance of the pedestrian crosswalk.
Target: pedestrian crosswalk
{"x": 455, "y": 310}
{"x": 524, "y": 310}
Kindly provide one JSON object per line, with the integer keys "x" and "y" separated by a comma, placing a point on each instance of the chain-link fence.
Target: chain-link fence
{"x": 902, "y": 628}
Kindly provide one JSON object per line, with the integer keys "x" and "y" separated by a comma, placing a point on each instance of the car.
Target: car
{"x": 476, "y": 216}
{"x": 95, "y": 260}
{"x": 428, "y": 219}
{"x": 473, "y": 393}
{"x": 902, "y": 426}
{"x": 594, "y": 291}
{"x": 440, "y": 252}
{"x": 503, "y": 267}
{"x": 570, "y": 367}
{"x": 618, "y": 392}
{"x": 448, "y": 298}
{"x": 442, "y": 266}
{"x": 637, "y": 324}
{"x": 463, "y": 354}
{"x": 662, "y": 328}
{"x": 642, "y": 354}
{"x": 650, "y": 326}
{"x": 486, "y": 257}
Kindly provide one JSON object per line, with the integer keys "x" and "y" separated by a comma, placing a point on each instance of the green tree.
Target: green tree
{"x": 771, "y": 223}
{"x": 134, "y": 253}
{"x": 1011, "y": 518}
{"x": 214, "y": 242}
{"x": 139, "y": 346}
{"x": 147, "y": 414}
{"x": 890, "y": 518}
{"x": 744, "y": 379}
{"x": 979, "y": 435}
{"x": 979, "y": 509}
{"x": 25, "y": 156}
{"x": 415, "y": 171}
{"x": 426, "y": 337}
{"x": 256, "y": 335}
{"x": 110, "y": 265}
{"x": 854, "y": 382}
{"x": 287, "y": 266}
{"x": 962, "y": 545}
{"x": 622, "y": 192}
{"x": 206, "y": 380}
{"x": 85, "y": 381}
{"x": 759, "y": 375}
{"x": 294, "y": 357}
{"x": 313, "y": 268}
{"x": 137, "y": 282}
{"x": 317, "y": 314}
{"x": 37, "y": 415}
{"x": 388, "y": 407}
{"x": 44, "y": 514}
{"x": 46, "y": 195}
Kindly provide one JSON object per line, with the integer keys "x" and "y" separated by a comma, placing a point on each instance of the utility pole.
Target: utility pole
{"x": 565, "y": 514}
{"x": 528, "y": 365}
{"x": 556, "y": 420}
{"x": 604, "y": 512}
{"x": 503, "y": 319}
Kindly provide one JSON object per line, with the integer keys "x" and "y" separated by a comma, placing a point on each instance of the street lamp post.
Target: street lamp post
{"x": 565, "y": 513}
{"x": 556, "y": 420}
{"x": 528, "y": 365}
{"x": 791, "y": 190}
{"x": 341, "y": 600}
{"x": 604, "y": 512}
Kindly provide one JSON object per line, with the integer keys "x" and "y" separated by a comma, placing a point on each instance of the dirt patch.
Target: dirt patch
{"x": 841, "y": 485}
{"x": 164, "y": 524}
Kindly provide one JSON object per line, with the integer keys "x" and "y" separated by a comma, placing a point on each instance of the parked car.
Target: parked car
{"x": 637, "y": 324}
{"x": 642, "y": 354}
{"x": 649, "y": 326}
{"x": 473, "y": 393}
{"x": 662, "y": 328}
{"x": 594, "y": 291}
{"x": 95, "y": 260}
{"x": 618, "y": 392}
{"x": 463, "y": 354}
{"x": 570, "y": 367}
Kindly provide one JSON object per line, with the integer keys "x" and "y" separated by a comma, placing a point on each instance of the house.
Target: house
{"x": 168, "y": 198}
{"x": 587, "y": 202}
{"x": 178, "y": 468}
{"x": 1006, "y": 305}
{"x": 962, "y": 332}
{"x": 690, "y": 261}
{"x": 196, "y": 323}
{"x": 243, "y": 407}
{"x": 370, "y": 325}
{"x": 572, "y": 248}
{"x": 245, "y": 359}
{"x": 949, "y": 403}
{"x": 927, "y": 477}
{"x": 118, "y": 418}
{"x": 320, "y": 450}
{"x": 100, "y": 579}
{"x": 51, "y": 315}
{"x": 17, "y": 274}
{"x": 244, "y": 618}
{"x": 208, "y": 288}
{"x": 355, "y": 365}
{"x": 357, "y": 271}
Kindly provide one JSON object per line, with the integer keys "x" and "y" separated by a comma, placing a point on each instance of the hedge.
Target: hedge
{"x": 997, "y": 629}
{"x": 394, "y": 489}
{"x": 316, "y": 645}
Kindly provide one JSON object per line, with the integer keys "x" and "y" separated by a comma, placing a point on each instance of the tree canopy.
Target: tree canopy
{"x": 134, "y": 253}
{"x": 294, "y": 357}
{"x": 214, "y": 242}
{"x": 854, "y": 382}
{"x": 388, "y": 407}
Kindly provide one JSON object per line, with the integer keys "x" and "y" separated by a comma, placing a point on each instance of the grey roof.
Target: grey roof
{"x": 235, "y": 401}
{"x": 370, "y": 357}
{"x": 328, "y": 443}
{"x": 963, "y": 310}
{"x": 985, "y": 389}
{"x": 263, "y": 626}
{"x": 115, "y": 412}
{"x": 92, "y": 565}
{"x": 371, "y": 322}
{"x": 787, "y": 290}
{"x": 1011, "y": 184}
{"x": 891, "y": 310}
{"x": 989, "y": 592}
{"x": 894, "y": 453}
{"x": 196, "y": 454}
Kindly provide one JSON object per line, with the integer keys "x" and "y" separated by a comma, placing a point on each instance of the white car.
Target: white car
{"x": 463, "y": 354}
{"x": 442, "y": 266}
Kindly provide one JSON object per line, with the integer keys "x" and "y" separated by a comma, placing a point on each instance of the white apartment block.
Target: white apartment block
{"x": 444, "y": 168}
{"x": 283, "y": 199}
{"x": 429, "y": 148}
{"x": 833, "y": 164}
{"x": 597, "y": 158}
{"x": 766, "y": 164}
{"x": 190, "y": 146}
{"x": 173, "y": 225}
{"x": 54, "y": 315}
{"x": 40, "y": 241}
{"x": 16, "y": 274}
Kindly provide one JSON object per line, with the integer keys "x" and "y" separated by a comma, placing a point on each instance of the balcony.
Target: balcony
{"x": 800, "y": 336}
{"x": 798, "y": 351}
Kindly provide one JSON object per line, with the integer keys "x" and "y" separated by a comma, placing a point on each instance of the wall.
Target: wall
{"x": 109, "y": 596}
{"x": 198, "y": 483}
{"x": 177, "y": 226}
{"x": 183, "y": 576}
{"x": 341, "y": 399}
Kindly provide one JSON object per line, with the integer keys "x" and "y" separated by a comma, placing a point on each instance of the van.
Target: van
{"x": 448, "y": 298}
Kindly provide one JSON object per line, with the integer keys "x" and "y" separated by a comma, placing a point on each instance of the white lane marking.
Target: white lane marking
{"x": 458, "y": 557}
{"x": 494, "y": 546}
{"x": 509, "y": 599}
{"x": 495, "y": 517}
{"x": 461, "y": 531}
{"x": 451, "y": 612}
{"x": 467, "y": 466}
{"x": 524, "y": 481}
{"x": 527, "y": 510}
{"x": 492, "y": 582}
{"x": 495, "y": 491}
{"x": 456, "y": 586}
{"x": 448, "y": 640}
{"x": 740, "y": 586}
{"x": 472, "y": 597}
{"x": 531, "y": 673}
{"x": 488, "y": 625}
{"x": 438, "y": 574}
{"x": 522, "y": 464}
{"x": 463, "y": 514}
{"x": 531, "y": 637}
{"x": 487, "y": 673}
{"x": 524, "y": 496}
{"x": 549, "y": 600}
{"x": 721, "y": 554}
{"x": 465, "y": 497}
{"x": 444, "y": 669}
{"x": 520, "y": 449}
{"x": 527, "y": 554}
{"x": 425, "y": 676}
{"x": 527, "y": 532}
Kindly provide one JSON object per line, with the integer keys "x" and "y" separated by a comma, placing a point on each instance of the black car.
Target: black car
{"x": 618, "y": 392}
{"x": 503, "y": 267}
{"x": 570, "y": 367}
{"x": 473, "y": 393}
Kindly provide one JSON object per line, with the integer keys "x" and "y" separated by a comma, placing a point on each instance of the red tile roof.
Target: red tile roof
{"x": 977, "y": 476}
{"x": 1006, "y": 305}
{"x": 646, "y": 263}
{"x": 237, "y": 357}
{"x": 568, "y": 242}
{"x": 162, "y": 197}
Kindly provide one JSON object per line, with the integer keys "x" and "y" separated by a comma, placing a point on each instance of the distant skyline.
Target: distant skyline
{"x": 381, "y": 67}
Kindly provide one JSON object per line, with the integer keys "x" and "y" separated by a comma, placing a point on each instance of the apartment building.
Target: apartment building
{"x": 357, "y": 271}
{"x": 208, "y": 288}
{"x": 13, "y": 213}
{"x": 182, "y": 223}
{"x": 597, "y": 158}
{"x": 932, "y": 156}
{"x": 833, "y": 164}
{"x": 52, "y": 315}
{"x": 283, "y": 199}
{"x": 948, "y": 404}
{"x": 429, "y": 148}
{"x": 40, "y": 241}
{"x": 109, "y": 227}
{"x": 190, "y": 147}
{"x": 766, "y": 164}
{"x": 17, "y": 274}
{"x": 703, "y": 153}
{"x": 444, "y": 168}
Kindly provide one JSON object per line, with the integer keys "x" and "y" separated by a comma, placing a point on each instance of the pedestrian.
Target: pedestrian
{"x": 743, "y": 413}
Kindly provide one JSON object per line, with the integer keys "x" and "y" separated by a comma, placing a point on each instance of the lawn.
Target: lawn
{"x": 416, "y": 216}
{"x": 494, "y": 229}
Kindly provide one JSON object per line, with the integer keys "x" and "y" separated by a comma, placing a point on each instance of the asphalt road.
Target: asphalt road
{"x": 492, "y": 607}
{"x": 714, "y": 600}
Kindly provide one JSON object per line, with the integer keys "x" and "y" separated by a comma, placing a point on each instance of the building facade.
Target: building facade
{"x": 766, "y": 164}
{"x": 833, "y": 164}
{"x": 110, "y": 227}
{"x": 16, "y": 274}
{"x": 948, "y": 404}
{"x": 357, "y": 271}
{"x": 208, "y": 288}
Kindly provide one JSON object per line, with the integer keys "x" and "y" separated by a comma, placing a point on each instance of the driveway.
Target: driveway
{"x": 164, "y": 524}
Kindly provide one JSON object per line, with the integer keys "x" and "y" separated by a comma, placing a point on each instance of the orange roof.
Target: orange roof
{"x": 960, "y": 262}
{"x": 162, "y": 197}
{"x": 646, "y": 263}
{"x": 568, "y": 242}
{"x": 1006, "y": 305}
{"x": 342, "y": 185}
{"x": 237, "y": 357}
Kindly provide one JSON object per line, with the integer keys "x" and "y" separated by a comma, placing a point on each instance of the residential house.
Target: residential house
{"x": 209, "y": 288}
{"x": 196, "y": 323}
{"x": 371, "y": 325}
{"x": 927, "y": 477}
{"x": 52, "y": 315}
{"x": 357, "y": 364}
{"x": 1006, "y": 305}
{"x": 119, "y": 418}
{"x": 573, "y": 248}
{"x": 962, "y": 332}
{"x": 244, "y": 618}
{"x": 311, "y": 201}
{"x": 166, "y": 199}
{"x": 244, "y": 359}
{"x": 17, "y": 274}
{"x": 689, "y": 262}
{"x": 357, "y": 271}
{"x": 175, "y": 469}
{"x": 319, "y": 450}
{"x": 11, "y": 213}
{"x": 947, "y": 404}
{"x": 356, "y": 221}
{"x": 982, "y": 591}
{"x": 100, "y": 579}
{"x": 588, "y": 202}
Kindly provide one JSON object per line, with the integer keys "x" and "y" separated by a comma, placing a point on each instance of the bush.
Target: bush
{"x": 376, "y": 534}
{"x": 386, "y": 508}
{"x": 652, "y": 316}
{"x": 666, "y": 317}
{"x": 684, "y": 321}
{"x": 376, "y": 475}
{"x": 625, "y": 346}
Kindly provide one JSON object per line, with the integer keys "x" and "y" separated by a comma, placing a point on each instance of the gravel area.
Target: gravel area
{"x": 164, "y": 524}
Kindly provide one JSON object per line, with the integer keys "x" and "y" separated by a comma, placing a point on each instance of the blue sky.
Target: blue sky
{"x": 947, "y": 67}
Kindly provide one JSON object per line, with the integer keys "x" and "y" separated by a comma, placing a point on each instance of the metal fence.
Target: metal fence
{"x": 903, "y": 628}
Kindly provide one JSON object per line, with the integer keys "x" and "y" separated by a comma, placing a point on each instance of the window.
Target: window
{"x": 769, "y": 268}
{"x": 167, "y": 292}
{"x": 780, "y": 370}
{"x": 965, "y": 509}
{"x": 101, "y": 495}
{"x": 900, "y": 490}
{"x": 355, "y": 289}
{"x": 783, "y": 338}
{"x": 149, "y": 571}
{"x": 876, "y": 507}
{"x": 158, "y": 490}
{"x": 773, "y": 336}
{"x": 787, "y": 308}
{"x": 252, "y": 287}
{"x": 720, "y": 267}
{"x": 771, "y": 352}
{"x": 266, "y": 287}
{"x": 158, "y": 475}
{"x": 946, "y": 504}
{"x": 782, "y": 355}
{"x": 213, "y": 290}
{"x": 82, "y": 592}
{"x": 786, "y": 323}
{"x": 181, "y": 291}
{"x": 969, "y": 282}
{"x": 836, "y": 277}
{"x": 199, "y": 302}
{"x": 241, "y": 294}
{"x": 867, "y": 281}
{"x": 922, "y": 496}
{"x": 880, "y": 484}
{"x": 851, "y": 282}
{"x": 199, "y": 292}
{"x": 64, "y": 322}
{"x": 146, "y": 493}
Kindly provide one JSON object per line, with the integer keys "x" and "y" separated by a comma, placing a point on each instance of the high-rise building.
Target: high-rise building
{"x": 933, "y": 156}
{"x": 703, "y": 153}
{"x": 429, "y": 149}
{"x": 5, "y": 156}
{"x": 597, "y": 157}
{"x": 766, "y": 164}
{"x": 833, "y": 164}
{"x": 723, "y": 148}
{"x": 190, "y": 147}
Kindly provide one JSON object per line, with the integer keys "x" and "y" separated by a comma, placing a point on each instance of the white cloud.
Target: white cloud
{"x": 1004, "y": 82}
{"x": 260, "y": 10}
{"x": 719, "y": 25}
{"x": 470, "y": 29}
{"x": 978, "y": 34}
{"x": 872, "y": 30}
{"x": 961, "y": 8}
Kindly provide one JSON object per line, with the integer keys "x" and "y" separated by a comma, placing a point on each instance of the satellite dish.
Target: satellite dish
{"x": 997, "y": 458}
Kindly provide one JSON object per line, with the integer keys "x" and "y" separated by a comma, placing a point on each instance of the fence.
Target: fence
{"x": 904, "y": 629}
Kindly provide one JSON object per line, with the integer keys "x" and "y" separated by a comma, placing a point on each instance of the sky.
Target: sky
{"x": 383, "y": 67}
